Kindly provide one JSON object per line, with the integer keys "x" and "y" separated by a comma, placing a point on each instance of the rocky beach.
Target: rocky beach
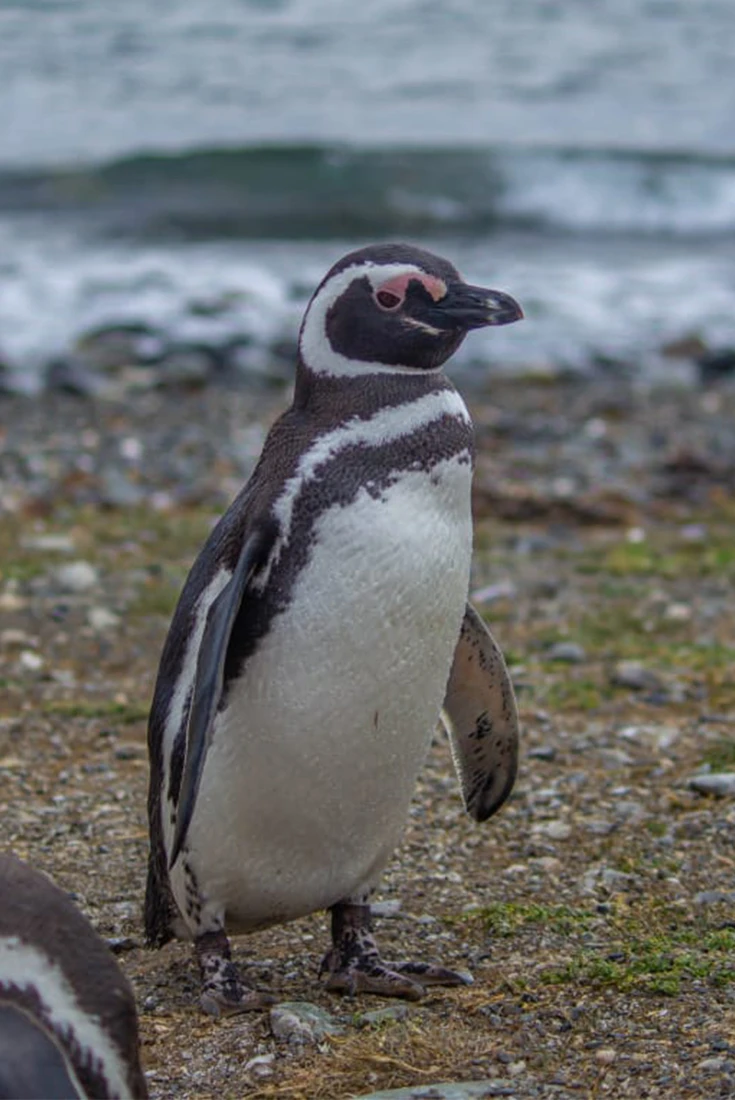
{"x": 595, "y": 912}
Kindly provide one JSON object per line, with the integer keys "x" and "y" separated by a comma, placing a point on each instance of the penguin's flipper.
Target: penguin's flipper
{"x": 481, "y": 718}
{"x": 207, "y": 690}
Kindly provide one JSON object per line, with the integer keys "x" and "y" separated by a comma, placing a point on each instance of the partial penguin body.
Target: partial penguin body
{"x": 68, "y": 1025}
{"x": 310, "y": 653}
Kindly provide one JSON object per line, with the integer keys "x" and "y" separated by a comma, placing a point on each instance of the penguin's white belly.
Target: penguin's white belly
{"x": 309, "y": 777}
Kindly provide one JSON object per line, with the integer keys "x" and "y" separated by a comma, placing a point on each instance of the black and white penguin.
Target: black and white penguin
{"x": 68, "y": 1025}
{"x": 322, "y": 630}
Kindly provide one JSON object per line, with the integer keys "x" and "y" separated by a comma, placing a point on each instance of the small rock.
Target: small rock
{"x": 677, "y": 613}
{"x": 261, "y": 1065}
{"x": 30, "y": 661}
{"x": 11, "y": 638}
{"x": 503, "y": 590}
{"x": 379, "y": 1016}
{"x": 119, "y": 944}
{"x": 568, "y": 652}
{"x": 128, "y": 750}
{"x": 298, "y": 1022}
{"x": 711, "y": 1065}
{"x": 556, "y": 830}
{"x": 118, "y": 491}
{"x": 714, "y": 897}
{"x": 389, "y": 907}
{"x": 448, "y": 1090}
{"x": 542, "y": 752}
{"x": 721, "y": 784}
{"x": 58, "y": 544}
{"x": 655, "y": 737}
{"x": 77, "y": 576}
{"x": 605, "y": 1056}
{"x": 101, "y": 618}
{"x": 632, "y": 674}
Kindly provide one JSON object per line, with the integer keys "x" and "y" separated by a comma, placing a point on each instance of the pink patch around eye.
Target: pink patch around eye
{"x": 399, "y": 285}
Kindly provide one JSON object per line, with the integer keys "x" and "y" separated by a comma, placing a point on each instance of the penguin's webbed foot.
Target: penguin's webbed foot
{"x": 354, "y": 965}
{"x": 223, "y": 991}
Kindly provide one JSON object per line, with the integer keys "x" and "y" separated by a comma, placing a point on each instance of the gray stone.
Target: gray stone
{"x": 632, "y": 674}
{"x": 76, "y": 576}
{"x": 101, "y": 618}
{"x": 714, "y": 897}
{"x": 567, "y": 652}
{"x": 721, "y": 784}
{"x": 390, "y": 1015}
{"x": 542, "y": 752}
{"x": 449, "y": 1090}
{"x": 297, "y": 1022}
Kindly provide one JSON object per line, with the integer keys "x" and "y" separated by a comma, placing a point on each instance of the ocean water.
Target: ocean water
{"x": 197, "y": 167}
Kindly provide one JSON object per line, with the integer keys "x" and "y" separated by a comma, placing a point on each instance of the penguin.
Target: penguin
{"x": 68, "y": 1024}
{"x": 321, "y": 633}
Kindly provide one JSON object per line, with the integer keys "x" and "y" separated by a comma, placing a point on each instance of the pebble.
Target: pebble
{"x": 58, "y": 544}
{"x": 76, "y": 576}
{"x": 721, "y": 784}
{"x": 542, "y": 752}
{"x": 655, "y": 737}
{"x": 30, "y": 661}
{"x": 297, "y": 1022}
{"x": 502, "y": 590}
{"x": 605, "y": 1056}
{"x": 555, "y": 830}
{"x": 567, "y": 652}
{"x": 632, "y": 674}
{"x": 392, "y": 1014}
{"x": 261, "y": 1065}
{"x": 447, "y": 1090}
{"x": 101, "y": 618}
{"x": 714, "y": 897}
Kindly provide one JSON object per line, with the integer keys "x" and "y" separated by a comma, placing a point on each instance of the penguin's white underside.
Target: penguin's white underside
{"x": 315, "y": 757}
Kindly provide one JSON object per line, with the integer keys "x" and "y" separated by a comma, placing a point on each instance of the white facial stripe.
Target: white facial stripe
{"x": 29, "y": 968}
{"x": 316, "y": 351}
{"x": 423, "y": 325}
{"x": 382, "y": 427}
{"x": 185, "y": 684}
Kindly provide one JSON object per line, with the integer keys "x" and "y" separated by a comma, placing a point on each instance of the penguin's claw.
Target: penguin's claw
{"x": 223, "y": 991}
{"x": 217, "y": 1001}
{"x": 374, "y": 978}
{"x": 354, "y": 965}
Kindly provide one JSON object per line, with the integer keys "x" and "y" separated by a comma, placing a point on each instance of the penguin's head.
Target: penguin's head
{"x": 394, "y": 308}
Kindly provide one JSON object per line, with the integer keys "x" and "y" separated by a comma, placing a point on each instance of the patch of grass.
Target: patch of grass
{"x": 158, "y": 596}
{"x": 661, "y": 963}
{"x": 721, "y": 755}
{"x": 122, "y": 713}
{"x": 583, "y": 693}
{"x": 507, "y": 918}
{"x": 659, "y": 558}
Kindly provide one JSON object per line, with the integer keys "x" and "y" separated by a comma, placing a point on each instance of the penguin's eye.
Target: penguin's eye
{"x": 387, "y": 299}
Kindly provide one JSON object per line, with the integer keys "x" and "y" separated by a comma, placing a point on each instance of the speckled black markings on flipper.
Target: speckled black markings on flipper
{"x": 482, "y": 719}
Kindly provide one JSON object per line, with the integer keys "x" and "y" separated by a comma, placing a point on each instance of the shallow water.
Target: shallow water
{"x": 580, "y": 156}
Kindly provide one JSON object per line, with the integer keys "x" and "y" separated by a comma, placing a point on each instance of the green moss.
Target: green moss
{"x": 121, "y": 713}
{"x": 721, "y": 755}
{"x": 507, "y": 918}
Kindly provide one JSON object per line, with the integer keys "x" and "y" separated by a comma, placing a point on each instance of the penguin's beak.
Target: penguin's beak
{"x": 467, "y": 307}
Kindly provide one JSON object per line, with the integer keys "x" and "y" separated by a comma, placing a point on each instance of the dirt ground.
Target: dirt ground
{"x": 596, "y": 912}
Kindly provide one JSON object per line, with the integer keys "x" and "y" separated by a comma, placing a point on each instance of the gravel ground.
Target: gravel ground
{"x": 596, "y": 911}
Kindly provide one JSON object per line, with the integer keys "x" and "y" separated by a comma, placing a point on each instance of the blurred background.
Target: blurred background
{"x": 189, "y": 170}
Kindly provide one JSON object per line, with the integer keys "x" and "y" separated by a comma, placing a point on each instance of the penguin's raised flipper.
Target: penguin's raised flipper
{"x": 481, "y": 718}
{"x": 207, "y": 690}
